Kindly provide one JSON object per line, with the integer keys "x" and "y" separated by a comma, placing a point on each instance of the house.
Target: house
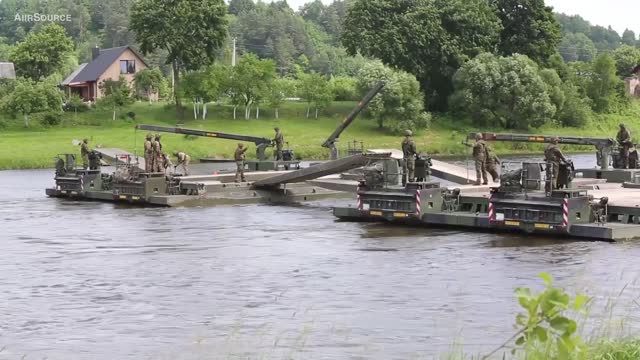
{"x": 7, "y": 70}
{"x": 105, "y": 64}
{"x": 633, "y": 82}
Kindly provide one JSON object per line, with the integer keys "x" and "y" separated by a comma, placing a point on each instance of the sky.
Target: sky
{"x": 620, "y": 14}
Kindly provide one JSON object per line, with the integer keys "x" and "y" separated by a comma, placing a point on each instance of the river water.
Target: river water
{"x": 89, "y": 280}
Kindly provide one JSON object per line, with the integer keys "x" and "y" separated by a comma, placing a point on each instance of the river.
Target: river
{"x": 90, "y": 280}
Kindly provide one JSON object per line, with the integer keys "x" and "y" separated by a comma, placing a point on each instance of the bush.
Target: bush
{"x": 74, "y": 103}
{"x": 131, "y": 115}
{"x": 50, "y": 118}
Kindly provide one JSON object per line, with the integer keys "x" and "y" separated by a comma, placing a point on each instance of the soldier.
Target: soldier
{"x": 480, "y": 158}
{"x": 492, "y": 162}
{"x": 148, "y": 153}
{"x": 158, "y": 159}
{"x": 239, "y": 157}
{"x": 409, "y": 156}
{"x": 553, "y": 155}
{"x": 183, "y": 160}
{"x": 279, "y": 141}
{"x": 84, "y": 152}
{"x": 624, "y": 139}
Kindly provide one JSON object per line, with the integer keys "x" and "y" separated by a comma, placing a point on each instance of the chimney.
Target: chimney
{"x": 95, "y": 52}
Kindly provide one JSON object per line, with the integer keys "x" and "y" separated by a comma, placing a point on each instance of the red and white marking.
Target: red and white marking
{"x": 418, "y": 203}
{"x": 359, "y": 199}
{"x": 565, "y": 212}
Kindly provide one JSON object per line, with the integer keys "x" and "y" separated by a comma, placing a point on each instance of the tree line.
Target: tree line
{"x": 524, "y": 66}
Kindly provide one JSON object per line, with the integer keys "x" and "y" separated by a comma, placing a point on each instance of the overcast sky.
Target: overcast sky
{"x": 620, "y": 14}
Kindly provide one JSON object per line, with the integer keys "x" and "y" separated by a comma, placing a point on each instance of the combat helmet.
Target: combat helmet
{"x": 149, "y": 136}
{"x": 478, "y": 136}
{"x": 408, "y": 133}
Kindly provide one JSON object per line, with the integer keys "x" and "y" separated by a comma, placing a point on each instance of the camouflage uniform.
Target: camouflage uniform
{"x": 279, "y": 140}
{"x": 480, "y": 158}
{"x": 553, "y": 155}
{"x": 183, "y": 160}
{"x": 491, "y": 164}
{"x": 84, "y": 151}
{"x": 148, "y": 154}
{"x": 624, "y": 139}
{"x": 409, "y": 156}
{"x": 239, "y": 158}
{"x": 158, "y": 159}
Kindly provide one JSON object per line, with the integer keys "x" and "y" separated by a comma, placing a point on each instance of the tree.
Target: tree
{"x": 577, "y": 47}
{"x": 116, "y": 94}
{"x": 530, "y": 28}
{"x": 149, "y": 82}
{"x": 502, "y": 91}
{"x": 314, "y": 89}
{"x": 28, "y": 98}
{"x": 429, "y": 39}
{"x": 193, "y": 88}
{"x": 236, "y": 7}
{"x": 400, "y": 105}
{"x": 279, "y": 91}
{"x": 629, "y": 37}
{"x": 343, "y": 88}
{"x": 250, "y": 81}
{"x": 626, "y": 58}
{"x": 117, "y": 31}
{"x": 604, "y": 86}
{"x": 42, "y": 52}
{"x": 191, "y": 31}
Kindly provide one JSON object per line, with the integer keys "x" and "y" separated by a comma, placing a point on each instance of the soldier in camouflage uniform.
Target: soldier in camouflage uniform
{"x": 183, "y": 160}
{"x": 239, "y": 158}
{"x": 158, "y": 159}
{"x": 624, "y": 139}
{"x": 480, "y": 158}
{"x": 279, "y": 141}
{"x": 491, "y": 164}
{"x": 148, "y": 153}
{"x": 554, "y": 156}
{"x": 84, "y": 152}
{"x": 409, "y": 156}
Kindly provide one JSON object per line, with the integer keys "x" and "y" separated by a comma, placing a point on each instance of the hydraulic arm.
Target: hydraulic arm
{"x": 602, "y": 145}
{"x": 261, "y": 143}
{"x": 331, "y": 141}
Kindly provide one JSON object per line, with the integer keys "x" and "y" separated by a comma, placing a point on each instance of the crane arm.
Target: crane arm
{"x": 333, "y": 138}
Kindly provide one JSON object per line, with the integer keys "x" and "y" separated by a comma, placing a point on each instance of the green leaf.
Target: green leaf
{"x": 520, "y": 341}
{"x": 572, "y": 327}
{"x": 548, "y": 280}
{"x": 560, "y": 323}
{"x": 579, "y": 301}
{"x": 521, "y": 320}
{"x": 541, "y": 333}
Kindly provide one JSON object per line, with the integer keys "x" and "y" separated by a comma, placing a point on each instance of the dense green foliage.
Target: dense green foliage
{"x": 42, "y": 52}
{"x": 427, "y": 38}
{"x": 191, "y": 31}
{"x": 528, "y": 28}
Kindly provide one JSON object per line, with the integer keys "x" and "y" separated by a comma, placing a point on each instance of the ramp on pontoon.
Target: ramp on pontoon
{"x": 320, "y": 170}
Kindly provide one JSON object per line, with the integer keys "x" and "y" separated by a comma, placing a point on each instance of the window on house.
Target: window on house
{"x": 127, "y": 66}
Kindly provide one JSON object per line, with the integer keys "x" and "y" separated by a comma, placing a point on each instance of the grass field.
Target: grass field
{"x": 35, "y": 147}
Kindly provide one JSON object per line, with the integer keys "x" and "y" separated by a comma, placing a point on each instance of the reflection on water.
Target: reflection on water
{"x": 89, "y": 280}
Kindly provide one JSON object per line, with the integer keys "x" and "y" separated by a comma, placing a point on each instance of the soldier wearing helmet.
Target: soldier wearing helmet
{"x": 158, "y": 158}
{"x": 84, "y": 152}
{"x": 553, "y": 156}
{"x": 624, "y": 140}
{"x": 148, "y": 153}
{"x": 183, "y": 161}
{"x": 480, "y": 158}
{"x": 239, "y": 158}
{"x": 279, "y": 142}
{"x": 409, "y": 156}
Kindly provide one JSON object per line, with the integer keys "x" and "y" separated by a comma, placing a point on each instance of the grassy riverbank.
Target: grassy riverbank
{"x": 35, "y": 147}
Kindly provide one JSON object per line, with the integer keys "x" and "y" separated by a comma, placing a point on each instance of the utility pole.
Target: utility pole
{"x": 233, "y": 55}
